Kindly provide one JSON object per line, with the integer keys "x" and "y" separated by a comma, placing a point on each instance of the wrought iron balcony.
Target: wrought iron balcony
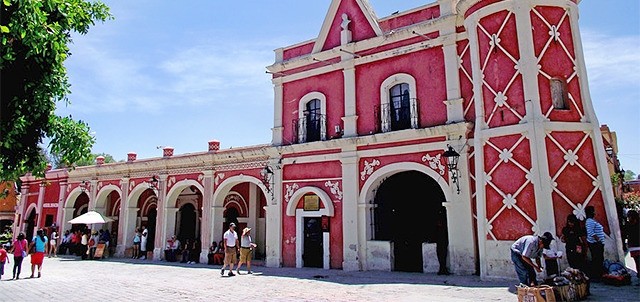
{"x": 310, "y": 129}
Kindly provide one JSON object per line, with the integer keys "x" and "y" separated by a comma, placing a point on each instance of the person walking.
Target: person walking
{"x": 39, "y": 243}
{"x": 230, "y": 239}
{"x": 573, "y": 237}
{"x": 523, "y": 251}
{"x": 595, "y": 239}
{"x": 19, "y": 251}
{"x": 4, "y": 258}
{"x": 633, "y": 238}
{"x": 143, "y": 242}
{"x": 246, "y": 250}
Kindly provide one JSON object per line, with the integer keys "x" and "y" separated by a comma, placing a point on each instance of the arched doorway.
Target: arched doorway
{"x": 30, "y": 224}
{"x": 405, "y": 213}
{"x": 152, "y": 216}
{"x": 188, "y": 218}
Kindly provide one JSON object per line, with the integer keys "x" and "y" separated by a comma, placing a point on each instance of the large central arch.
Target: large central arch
{"x": 371, "y": 247}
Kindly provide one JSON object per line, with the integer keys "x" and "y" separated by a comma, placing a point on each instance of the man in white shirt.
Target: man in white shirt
{"x": 230, "y": 239}
{"x": 143, "y": 242}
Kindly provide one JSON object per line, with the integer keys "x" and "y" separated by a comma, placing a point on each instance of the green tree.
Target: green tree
{"x": 108, "y": 158}
{"x": 34, "y": 46}
{"x": 629, "y": 175}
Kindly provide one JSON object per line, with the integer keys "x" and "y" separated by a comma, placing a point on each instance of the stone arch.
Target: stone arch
{"x": 177, "y": 188}
{"x": 101, "y": 197}
{"x": 72, "y": 197}
{"x": 225, "y": 187}
{"x": 324, "y": 198}
{"x": 375, "y": 180}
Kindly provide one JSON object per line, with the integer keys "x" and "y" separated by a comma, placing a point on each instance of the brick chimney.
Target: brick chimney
{"x": 99, "y": 160}
{"x": 167, "y": 151}
{"x": 214, "y": 146}
{"x": 132, "y": 156}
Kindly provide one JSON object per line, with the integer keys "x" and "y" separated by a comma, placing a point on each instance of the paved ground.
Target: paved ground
{"x": 69, "y": 279}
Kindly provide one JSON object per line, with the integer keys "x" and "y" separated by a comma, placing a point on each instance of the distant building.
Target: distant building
{"x": 355, "y": 177}
{"x": 8, "y": 201}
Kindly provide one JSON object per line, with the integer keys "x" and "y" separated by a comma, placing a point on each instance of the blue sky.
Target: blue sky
{"x": 167, "y": 73}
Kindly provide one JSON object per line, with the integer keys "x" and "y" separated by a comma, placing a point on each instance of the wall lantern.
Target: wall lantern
{"x": 267, "y": 177}
{"x": 84, "y": 186}
{"x": 609, "y": 151}
{"x": 452, "y": 163}
{"x": 153, "y": 182}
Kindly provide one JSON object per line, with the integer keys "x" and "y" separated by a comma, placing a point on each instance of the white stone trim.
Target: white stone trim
{"x": 324, "y": 198}
{"x": 326, "y": 238}
{"x": 101, "y": 197}
{"x": 177, "y": 189}
{"x": 71, "y": 198}
{"x": 399, "y": 78}
{"x": 331, "y": 15}
{"x": 302, "y": 107}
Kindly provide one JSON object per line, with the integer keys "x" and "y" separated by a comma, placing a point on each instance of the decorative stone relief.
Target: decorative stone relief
{"x": 335, "y": 189}
{"x": 218, "y": 178}
{"x": 434, "y": 163}
{"x": 368, "y": 169}
{"x": 289, "y": 190}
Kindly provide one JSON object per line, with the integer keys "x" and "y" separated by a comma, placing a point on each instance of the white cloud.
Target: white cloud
{"x": 612, "y": 61}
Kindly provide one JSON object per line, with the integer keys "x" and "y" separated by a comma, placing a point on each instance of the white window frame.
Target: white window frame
{"x": 385, "y": 97}
{"x": 302, "y": 106}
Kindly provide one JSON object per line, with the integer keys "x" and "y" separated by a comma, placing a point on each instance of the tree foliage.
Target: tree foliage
{"x": 34, "y": 46}
{"x": 629, "y": 175}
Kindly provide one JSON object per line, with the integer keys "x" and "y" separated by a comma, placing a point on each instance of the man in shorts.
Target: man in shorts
{"x": 230, "y": 239}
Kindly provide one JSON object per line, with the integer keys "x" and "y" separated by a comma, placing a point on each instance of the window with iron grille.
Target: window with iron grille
{"x": 400, "y": 107}
{"x": 313, "y": 119}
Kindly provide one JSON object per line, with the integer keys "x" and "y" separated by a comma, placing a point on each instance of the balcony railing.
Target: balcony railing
{"x": 393, "y": 118}
{"x": 310, "y": 129}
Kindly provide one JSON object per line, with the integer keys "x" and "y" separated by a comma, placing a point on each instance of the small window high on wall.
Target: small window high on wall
{"x": 559, "y": 95}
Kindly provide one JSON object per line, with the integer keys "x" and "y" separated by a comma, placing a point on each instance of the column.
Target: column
{"x": 62, "y": 196}
{"x": 205, "y": 226}
{"x": 161, "y": 235}
{"x": 18, "y": 226}
{"x": 123, "y": 219}
{"x": 454, "y": 102}
{"x": 350, "y": 118}
{"x": 352, "y": 250}
{"x": 39, "y": 222}
{"x": 274, "y": 220}
{"x": 93, "y": 192}
{"x": 253, "y": 206}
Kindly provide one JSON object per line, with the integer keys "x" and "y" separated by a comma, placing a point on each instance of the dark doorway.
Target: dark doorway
{"x": 152, "y": 216}
{"x": 406, "y": 213}
{"x": 188, "y": 220}
{"x": 30, "y": 225}
{"x": 312, "y": 255}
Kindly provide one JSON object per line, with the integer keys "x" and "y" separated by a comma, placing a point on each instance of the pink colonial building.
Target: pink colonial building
{"x": 355, "y": 177}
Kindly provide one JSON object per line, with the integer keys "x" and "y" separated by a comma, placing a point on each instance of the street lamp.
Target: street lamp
{"x": 153, "y": 182}
{"x": 452, "y": 163}
{"x": 267, "y": 177}
{"x": 609, "y": 151}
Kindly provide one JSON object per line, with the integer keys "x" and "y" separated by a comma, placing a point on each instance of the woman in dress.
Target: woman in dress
{"x": 573, "y": 237}
{"x": 20, "y": 249}
{"x": 136, "y": 244}
{"x": 39, "y": 243}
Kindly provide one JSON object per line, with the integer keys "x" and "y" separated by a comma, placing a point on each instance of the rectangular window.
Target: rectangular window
{"x": 559, "y": 95}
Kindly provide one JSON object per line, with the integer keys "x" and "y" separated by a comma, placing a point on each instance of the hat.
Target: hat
{"x": 246, "y": 230}
{"x": 232, "y": 225}
{"x": 546, "y": 239}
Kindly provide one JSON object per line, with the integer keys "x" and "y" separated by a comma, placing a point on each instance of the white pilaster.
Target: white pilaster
{"x": 274, "y": 221}
{"x": 352, "y": 250}
{"x": 123, "y": 219}
{"x": 454, "y": 102}
{"x": 93, "y": 192}
{"x": 62, "y": 196}
{"x": 350, "y": 119}
{"x": 162, "y": 219}
{"x": 207, "y": 203}
{"x": 41, "y": 192}
{"x": 278, "y": 99}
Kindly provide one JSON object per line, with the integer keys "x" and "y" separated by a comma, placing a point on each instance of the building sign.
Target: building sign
{"x": 50, "y": 205}
{"x": 312, "y": 203}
